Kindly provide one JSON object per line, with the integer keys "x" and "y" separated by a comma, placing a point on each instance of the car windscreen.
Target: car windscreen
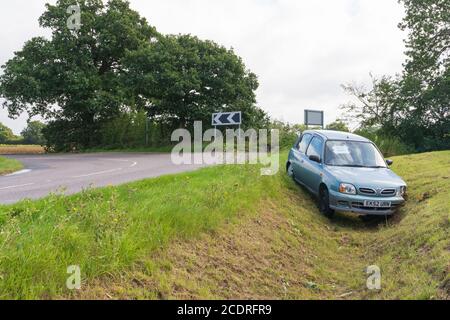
{"x": 353, "y": 154}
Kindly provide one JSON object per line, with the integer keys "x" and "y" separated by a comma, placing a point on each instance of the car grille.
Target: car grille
{"x": 388, "y": 192}
{"x": 367, "y": 191}
{"x": 382, "y": 193}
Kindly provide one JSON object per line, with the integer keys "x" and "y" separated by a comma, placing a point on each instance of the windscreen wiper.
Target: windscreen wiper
{"x": 352, "y": 165}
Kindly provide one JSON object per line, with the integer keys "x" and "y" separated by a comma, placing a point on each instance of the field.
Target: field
{"x": 227, "y": 232}
{"x": 9, "y": 165}
{"x": 21, "y": 149}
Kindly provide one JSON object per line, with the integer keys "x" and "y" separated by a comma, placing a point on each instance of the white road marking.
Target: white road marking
{"x": 120, "y": 160}
{"x": 107, "y": 171}
{"x": 97, "y": 173}
{"x": 18, "y": 186}
{"x": 134, "y": 163}
{"x": 18, "y": 172}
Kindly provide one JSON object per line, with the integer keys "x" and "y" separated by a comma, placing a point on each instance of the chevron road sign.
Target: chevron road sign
{"x": 226, "y": 118}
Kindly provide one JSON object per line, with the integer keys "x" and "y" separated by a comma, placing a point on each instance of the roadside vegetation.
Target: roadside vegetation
{"x": 412, "y": 106}
{"x": 9, "y": 165}
{"x": 227, "y": 232}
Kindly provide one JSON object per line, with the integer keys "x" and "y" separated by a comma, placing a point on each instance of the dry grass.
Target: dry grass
{"x": 21, "y": 149}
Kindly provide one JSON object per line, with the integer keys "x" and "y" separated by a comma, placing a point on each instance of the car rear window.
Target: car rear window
{"x": 304, "y": 142}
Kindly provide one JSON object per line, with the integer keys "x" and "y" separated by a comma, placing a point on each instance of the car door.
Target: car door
{"x": 299, "y": 156}
{"x": 313, "y": 170}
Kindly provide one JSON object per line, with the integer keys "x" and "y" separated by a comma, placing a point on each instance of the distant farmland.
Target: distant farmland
{"x": 21, "y": 149}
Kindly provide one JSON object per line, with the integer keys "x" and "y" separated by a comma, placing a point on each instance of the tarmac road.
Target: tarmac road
{"x": 44, "y": 174}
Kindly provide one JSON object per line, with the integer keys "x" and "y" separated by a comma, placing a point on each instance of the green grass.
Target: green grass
{"x": 414, "y": 249}
{"x": 105, "y": 230}
{"x": 9, "y": 165}
{"x": 187, "y": 235}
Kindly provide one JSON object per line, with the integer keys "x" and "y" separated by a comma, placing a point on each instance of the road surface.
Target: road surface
{"x": 44, "y": 174}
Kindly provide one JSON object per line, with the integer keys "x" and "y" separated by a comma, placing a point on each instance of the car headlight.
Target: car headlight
{"x": 347, "y": 188}
{"x": 402, "y": 191}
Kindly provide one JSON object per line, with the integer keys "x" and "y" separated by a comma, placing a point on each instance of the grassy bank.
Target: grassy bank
{"x": 104, "y": 231}
{"x": 227, "y": 232}
{"x": 9, "y": 165}
{"x": 287, "y": 250}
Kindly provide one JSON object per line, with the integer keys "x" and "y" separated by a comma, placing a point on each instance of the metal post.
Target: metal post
{"x": 146, "y": 131}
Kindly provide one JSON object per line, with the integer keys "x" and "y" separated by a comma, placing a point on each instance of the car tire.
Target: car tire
{"x": 324, "y": 203}
{"x": 290, "y": 170}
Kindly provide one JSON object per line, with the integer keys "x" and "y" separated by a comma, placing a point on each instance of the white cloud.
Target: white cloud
{"x": 301, "y": 50}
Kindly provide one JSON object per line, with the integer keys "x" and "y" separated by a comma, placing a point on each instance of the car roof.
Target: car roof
{"x": 337, "y": 135}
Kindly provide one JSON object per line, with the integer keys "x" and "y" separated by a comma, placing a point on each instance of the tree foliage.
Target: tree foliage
{"x": 33, "y": 133}
{"x": 338, "y": 125}
{"x": 116, "y": 64}
{"x": 183, "y": 78}
{"x": 414, "y": 106}
{"x": 6, "y": 134}
{"x": 428, "y": 44}
{"x": 73, "y": 78}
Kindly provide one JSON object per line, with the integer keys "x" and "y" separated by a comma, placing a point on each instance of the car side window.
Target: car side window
{"x": 315, "y": 148}
{"x": 304, "y": 142}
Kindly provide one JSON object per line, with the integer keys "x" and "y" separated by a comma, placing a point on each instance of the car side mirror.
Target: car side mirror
{"x": 389, "y": 162}
{"x": 314, "y": 158}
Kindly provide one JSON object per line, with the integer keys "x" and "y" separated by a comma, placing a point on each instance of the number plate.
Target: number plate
{"x": 377, "y": 204}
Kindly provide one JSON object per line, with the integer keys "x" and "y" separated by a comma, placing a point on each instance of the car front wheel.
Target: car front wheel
{"x": 290, "y": 170}
{"x": 324, "y": 203}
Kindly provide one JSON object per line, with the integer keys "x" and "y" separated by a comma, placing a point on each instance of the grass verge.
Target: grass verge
{"x": 227, "y": 232}
{"x": 9, "y": 165}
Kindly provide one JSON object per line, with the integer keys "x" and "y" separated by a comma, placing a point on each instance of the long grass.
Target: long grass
{"x": 105, "y": 230}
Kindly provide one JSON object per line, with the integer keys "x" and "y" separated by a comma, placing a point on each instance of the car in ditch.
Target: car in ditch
{"x": 346, "y": 172}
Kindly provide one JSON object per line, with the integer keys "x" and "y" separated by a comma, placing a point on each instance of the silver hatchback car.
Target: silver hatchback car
{"x": 346, "y": 172}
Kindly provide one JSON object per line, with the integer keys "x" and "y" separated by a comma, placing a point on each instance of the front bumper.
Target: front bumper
{"x": 355, "y": 203}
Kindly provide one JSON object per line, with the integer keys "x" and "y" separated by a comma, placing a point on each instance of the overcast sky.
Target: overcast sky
{"x": 301, "y": 50}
